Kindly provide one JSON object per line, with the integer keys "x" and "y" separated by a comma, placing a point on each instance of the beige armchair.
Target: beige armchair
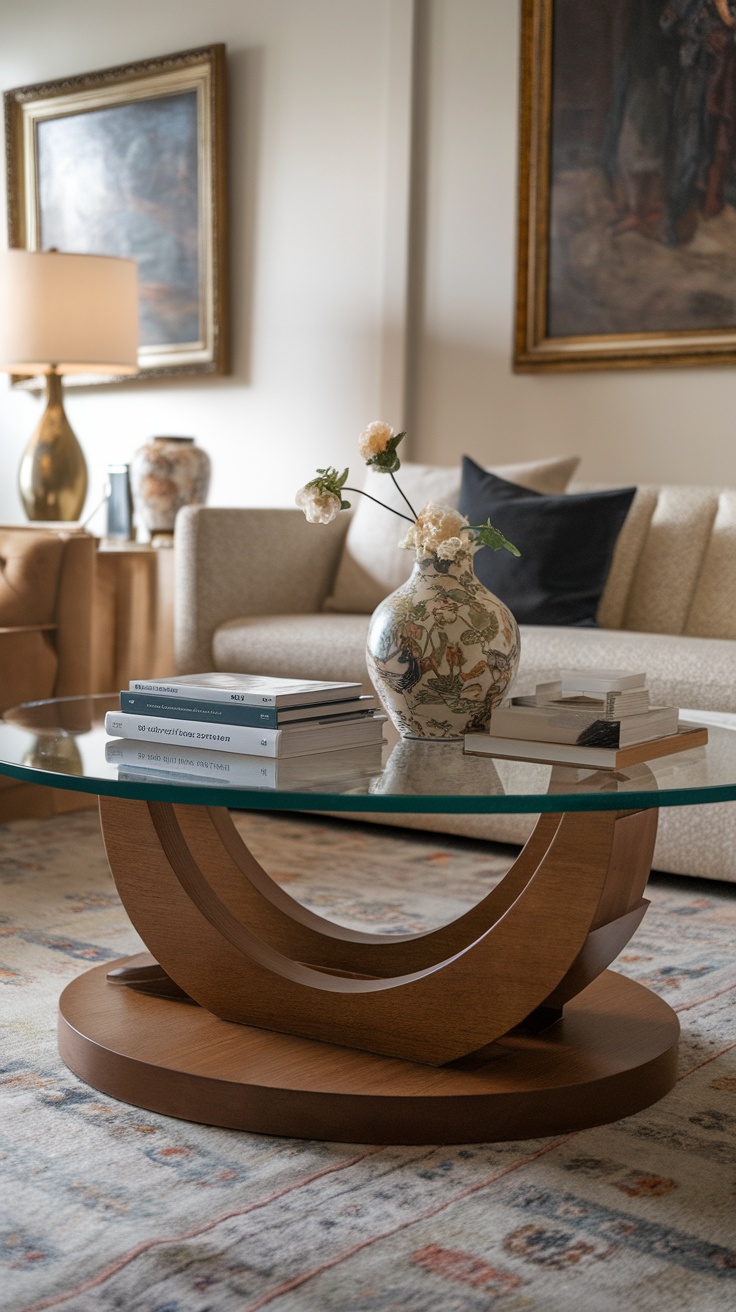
{"x": 46, "y": 594}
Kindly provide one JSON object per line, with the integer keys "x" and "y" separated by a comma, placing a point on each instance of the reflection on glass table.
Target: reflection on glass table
{"x": 67, "y": 737}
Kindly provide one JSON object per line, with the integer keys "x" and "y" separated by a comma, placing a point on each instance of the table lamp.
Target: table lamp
{"x": 63, "y": 314}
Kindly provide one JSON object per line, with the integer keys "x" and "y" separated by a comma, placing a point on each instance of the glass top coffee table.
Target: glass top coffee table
{"x": 253, "y": 1012}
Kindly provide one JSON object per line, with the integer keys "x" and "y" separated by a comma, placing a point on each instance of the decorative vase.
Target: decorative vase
{"x": 166, "y": 474}
{"x": 442, "y": 651}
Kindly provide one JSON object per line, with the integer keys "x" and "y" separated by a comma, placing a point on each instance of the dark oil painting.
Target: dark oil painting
{"x": 642, "y": 167}
{"x": 123, "y": 180}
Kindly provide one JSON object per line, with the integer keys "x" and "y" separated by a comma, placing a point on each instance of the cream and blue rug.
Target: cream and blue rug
{"x": 106, "y": 1207}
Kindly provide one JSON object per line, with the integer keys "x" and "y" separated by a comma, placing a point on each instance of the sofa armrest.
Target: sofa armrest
{"x": 244, "y": 561}
{"x": 74, "y": 603}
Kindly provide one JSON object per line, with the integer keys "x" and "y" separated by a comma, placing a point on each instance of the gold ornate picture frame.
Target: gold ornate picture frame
{"x": 131, "y": 161}
{"x": 627, "y": 198}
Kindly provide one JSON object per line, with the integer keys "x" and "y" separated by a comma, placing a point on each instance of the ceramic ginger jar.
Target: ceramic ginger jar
{"x": 166, "y": 474}
{"x": 442, "y": 651}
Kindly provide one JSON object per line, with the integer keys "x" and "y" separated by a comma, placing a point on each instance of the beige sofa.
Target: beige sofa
{"x": 252, "y": 586}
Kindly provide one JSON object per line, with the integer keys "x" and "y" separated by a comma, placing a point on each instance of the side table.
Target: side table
{"x": 133, "y": 617}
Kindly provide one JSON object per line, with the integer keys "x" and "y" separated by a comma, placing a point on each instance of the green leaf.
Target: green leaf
{"x": 479, "y": 618}
{"x": 387, "y": 461}
{"x": 328, "y": 480}
{"x": 488, "y": 536}
{"x": 446, "y": 684}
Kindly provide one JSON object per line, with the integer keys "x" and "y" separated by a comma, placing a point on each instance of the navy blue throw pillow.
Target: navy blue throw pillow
{"x": 566, "y": 544}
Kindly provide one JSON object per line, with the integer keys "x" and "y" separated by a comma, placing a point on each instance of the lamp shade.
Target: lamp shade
{"x": 71, "y": 313}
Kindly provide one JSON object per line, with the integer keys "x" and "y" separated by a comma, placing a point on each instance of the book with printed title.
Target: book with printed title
{"x": 248, "y": 689}
{"x": 292, "y": 740}
{"x": 264, "y": 717}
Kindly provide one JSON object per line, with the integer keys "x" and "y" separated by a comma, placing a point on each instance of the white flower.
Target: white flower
{"x": 319, "y": 507}
{"x": 436, "y": 532}
{"x": 450, "y": 548}
{"x": 374, "y": 439}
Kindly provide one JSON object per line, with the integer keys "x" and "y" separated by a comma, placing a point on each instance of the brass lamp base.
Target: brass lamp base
{"x": 53, "y": 474}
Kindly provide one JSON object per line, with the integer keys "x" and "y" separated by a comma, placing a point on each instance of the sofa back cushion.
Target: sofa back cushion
{"x": 674, "y": 565}
{"x": 566, "y": 545}
{"x": 372, "y": 563}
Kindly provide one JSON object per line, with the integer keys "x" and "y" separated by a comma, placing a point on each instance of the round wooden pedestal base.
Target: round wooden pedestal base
{"x": 613, "y": 1053}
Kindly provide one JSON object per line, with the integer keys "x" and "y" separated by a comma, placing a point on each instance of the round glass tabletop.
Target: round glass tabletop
{"x": 63, "y": 744}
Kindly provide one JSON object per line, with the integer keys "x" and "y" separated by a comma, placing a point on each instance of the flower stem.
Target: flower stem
{"x": 406, "y": 499}
{"x": 361, "y": 493}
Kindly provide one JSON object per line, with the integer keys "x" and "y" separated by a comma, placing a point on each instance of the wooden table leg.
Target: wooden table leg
{"x": 473, "y": 993}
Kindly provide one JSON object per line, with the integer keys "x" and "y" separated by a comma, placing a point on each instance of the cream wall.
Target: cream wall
{"x": 633, "y": 425}
{"x": 319, "y": 102}
{"x": 309, "y": 150}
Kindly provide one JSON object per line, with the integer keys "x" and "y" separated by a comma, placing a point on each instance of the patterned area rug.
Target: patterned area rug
{"x": 106, "y": 1207}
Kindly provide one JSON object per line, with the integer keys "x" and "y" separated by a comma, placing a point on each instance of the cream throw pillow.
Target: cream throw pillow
{"x": 373, "y": 564}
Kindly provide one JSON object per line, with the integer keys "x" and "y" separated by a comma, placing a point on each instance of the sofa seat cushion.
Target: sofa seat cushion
{"x": 294, "y": 646}
{"x": 681, "y": 671}
{"x": 373, "y": 564}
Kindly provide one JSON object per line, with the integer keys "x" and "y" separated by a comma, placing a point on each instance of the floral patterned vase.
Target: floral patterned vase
{"x": 442, "y": 651}
{"x": 166, "y": 474}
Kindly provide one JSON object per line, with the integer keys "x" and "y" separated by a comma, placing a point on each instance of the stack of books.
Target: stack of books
{"x": 597, "y": 718}
{"x": 222, "y": 726}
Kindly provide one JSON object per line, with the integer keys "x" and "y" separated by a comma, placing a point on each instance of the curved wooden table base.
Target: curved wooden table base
{"x": 243, "y": 949}
{"x": 477, "y": 993}
{"x": 612, "y": 1054}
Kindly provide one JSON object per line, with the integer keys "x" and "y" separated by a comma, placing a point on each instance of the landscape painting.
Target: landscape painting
{"x": 130, "y": 161}
{"x": 627, "y": 241}
{"x": 123, "y": 181}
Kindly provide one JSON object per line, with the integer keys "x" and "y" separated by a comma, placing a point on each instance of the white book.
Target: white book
{"x": 293, "y": 740}
{"x": 565, "y": 724}
{"x": 600, "y": 681}
{"x": 342, "y": 768}
{"x": 602, "y": 758}
{"x": 248, "y": 689}
{"x": 630, "y": 701}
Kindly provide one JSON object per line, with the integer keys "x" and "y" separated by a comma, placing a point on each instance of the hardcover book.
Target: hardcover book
{"x": 602, "y": 758}
{"x": 263, "y": 717}
{"x": 248, "y": 689}
{"x": 571, "y": 724}
{"x": 292, "y": 740}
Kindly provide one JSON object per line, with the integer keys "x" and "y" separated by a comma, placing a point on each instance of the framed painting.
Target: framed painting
{"x": 627, "y": 184}
{"x": 130, "y": 161}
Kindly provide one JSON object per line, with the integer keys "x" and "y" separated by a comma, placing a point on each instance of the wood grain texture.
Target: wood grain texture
{"x": 203, "y": 911}
{"x": 612, "y": 1054}
{"x": 133, "y": 621}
